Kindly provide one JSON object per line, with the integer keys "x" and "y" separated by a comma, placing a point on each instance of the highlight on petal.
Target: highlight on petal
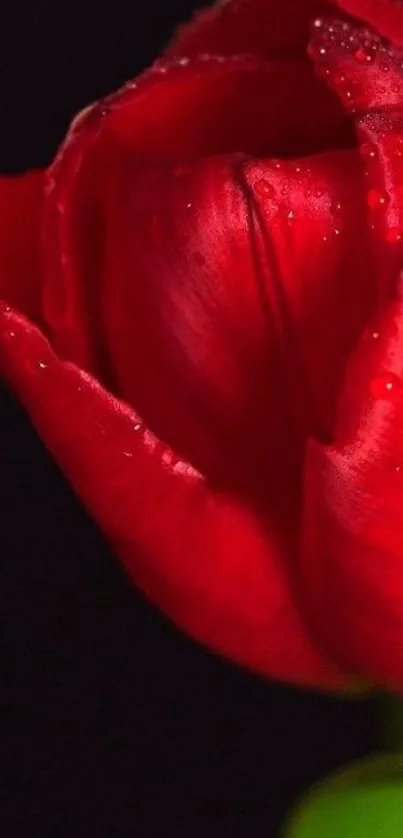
{"x": 352, "y": 574}
{"x": 206, "y": 559}
{"x": 20, "y": 215}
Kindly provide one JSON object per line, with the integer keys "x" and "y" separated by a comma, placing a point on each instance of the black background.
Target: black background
{"x": 113, "y": 723}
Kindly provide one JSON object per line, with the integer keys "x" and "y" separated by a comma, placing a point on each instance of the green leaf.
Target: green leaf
{"x": 361, "y": 801}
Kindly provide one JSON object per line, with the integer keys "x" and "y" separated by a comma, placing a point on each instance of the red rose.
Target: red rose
{"x": 220, "y": 242}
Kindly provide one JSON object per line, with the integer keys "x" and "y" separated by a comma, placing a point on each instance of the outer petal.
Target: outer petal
{"x": 272, "y": 30}
{"x": 353, "y": 568}
{"x": 386, "y": 16}
{"x": 260, "y": 27}
{"x": 206, "y": 559}
{"x": 20, "y": 215}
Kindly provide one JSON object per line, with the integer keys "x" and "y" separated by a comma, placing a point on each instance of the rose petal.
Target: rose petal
{"x": 271, "y": 30}
{"x": 219, "y": 393}
{"x": 211, "y": 105}
{"x": 368, "y": 77}
{"x": 386, "y": 16}
{"x": 365, "y": 72}
{"x": 353, "y": 570}
{"x": 20, "y": 214}
{"x": 206, "y": 559}
{"x": 260, "y": 27}
{"x": 217, "y": 297}
{"x": 171, "y": 112}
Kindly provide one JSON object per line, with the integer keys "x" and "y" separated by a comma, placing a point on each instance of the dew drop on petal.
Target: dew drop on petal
{"x": 263, "y": 188}
{"x": 364, "y": 56}
{"x": 393, "y": 235}
{"x": 385, "y": 385}
{"x": 367, "y": 150}
{"x": 377, "y": 199}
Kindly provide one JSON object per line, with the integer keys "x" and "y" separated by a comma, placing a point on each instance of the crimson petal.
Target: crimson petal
{"x": 353, "y": 570}
{"x": 21, "y": 199}
{"x": 203, "y": 557}
{"x": 386, "y": 16}
{"x": 259, "y": 27}
{"x": 352, "y": 573}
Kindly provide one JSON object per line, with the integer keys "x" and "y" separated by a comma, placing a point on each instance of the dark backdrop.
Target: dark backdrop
{"x": 113, "y": 723}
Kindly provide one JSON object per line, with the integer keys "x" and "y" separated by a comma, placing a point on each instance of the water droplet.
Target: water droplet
{"x": 377, "y": 199}
{"x": 291, "y": 215}
{"x": 398, "y": 469}
{"x": 375, "y": 335}
{"x": 127, "y": 454}
{"x": 336, "y": 207}
{"x": 189, "y": 205}
{"x": 364, "y": 56}
{"x": 10, "y": 334}
{"x": 383, "y": 386}
{"x": 317, "y": 49}
{"x": 336, "y": 231}
{"x": 339, "y": 79}
{"x": 393, "y": 235}
{"x": 318, "y": 23}
{"x": 367, "y": 150}
{"x": 137, "y": 427}
{"x": 263, "y": 188}
{"x": 42, "y": 365}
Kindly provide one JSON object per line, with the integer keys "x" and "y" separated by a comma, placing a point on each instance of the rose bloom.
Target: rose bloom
{"x": 202, "y": 316}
